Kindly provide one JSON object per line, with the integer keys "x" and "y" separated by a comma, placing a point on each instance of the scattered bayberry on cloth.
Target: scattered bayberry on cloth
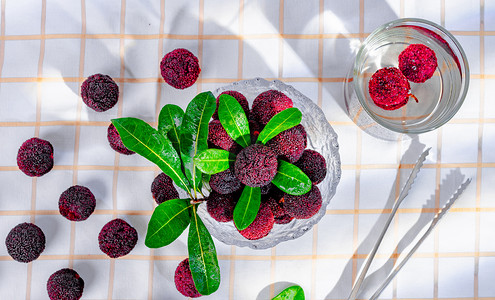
{"x": 25, "y": 242}
{"x": 389, "y": 88}
{"x": 163, "y": 189}
{"x": 256, "y": 165}
{"x": 100, "y": 92}
{"x": 117, "y": 238}
{"x": 268, "y": 104}
{"x": 115, "y": 141}
{"x": 184, "y": 281}
{"x": 65, "y": 284}
{"x": 418, "y": 63}
{"x": 77, "y": 203}
{"x": 180, "y": 68}
{"x": 35, "y": 157}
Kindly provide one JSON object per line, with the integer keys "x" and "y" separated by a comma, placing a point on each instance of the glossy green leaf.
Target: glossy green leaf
{"x": 203, "y": 260}
{"x": 169, "y": 122}
{"x": 234, "y": 120}
{"x": 284, "y": 120}
{"x": 168, "y": 221}
{"x": 212, "y": 161}
{"x": 143, "y": 139}
{"x": 294, "y": 292}
{"x": 194, "y": 133}
{"x": 291, "y": 180}
{"x": 247, "y": 207}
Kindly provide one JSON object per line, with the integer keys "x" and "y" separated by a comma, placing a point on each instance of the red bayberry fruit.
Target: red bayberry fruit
{"x": 221, "y": 207}
{"x": 313, "y": 164}
{"x": 389, "y": 88}
{"x": 261, "y": 225}
{"x": 117, "y": 238}
{"x": 180, "y": 68}
{"x": 268, "y": 104}
{"x": 35, "y": 157}
{"x": 256, "y": 165}
{"x": 418, "y": 63}
{"x": 115, "y": 141}
{"x": 225, "y": 182}
{"x": 65, "y": 284}
{"x": 77, "y": 203}
{"x": 303, "y": 206}
{"x": 25, "y": 242}
{"x": 184, "y": 281}
{"x": 100, "y": 92}
{"x": 163, "y": 189}
{"x": 239, "y": 97}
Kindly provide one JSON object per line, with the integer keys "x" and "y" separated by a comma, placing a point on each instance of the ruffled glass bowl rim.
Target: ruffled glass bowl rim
{"x": 226, "y": 232}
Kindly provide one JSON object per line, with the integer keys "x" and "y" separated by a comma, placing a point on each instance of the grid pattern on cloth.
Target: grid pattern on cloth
{"x": 49, "y": 47}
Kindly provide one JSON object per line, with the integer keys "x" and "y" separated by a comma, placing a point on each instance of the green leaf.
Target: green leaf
{"x": 247, "y": 207}
{"x": 169, "y": 122}
{"x": 294, "y": 292}
{"x": 143, "y": 139}
{"x": 291, "y": 180}
{"x": 203, "y": 260}
{"x": 234, "y": 120}
{"x": 284, "y": 120}
{"x": 168, "y": 221}
{"x": 194, "y": 133}
{"x": 212, "y": 161}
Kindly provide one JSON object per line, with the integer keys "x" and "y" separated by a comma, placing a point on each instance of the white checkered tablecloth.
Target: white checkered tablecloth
{"x": 48, "y": 47}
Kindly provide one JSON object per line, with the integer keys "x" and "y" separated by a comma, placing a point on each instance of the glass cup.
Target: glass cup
{"x": 439, "y": 98}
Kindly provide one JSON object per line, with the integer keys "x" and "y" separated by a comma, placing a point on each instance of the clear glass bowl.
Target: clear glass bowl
{"x": 321, "y": 138}
{"x": 440, "y": 97}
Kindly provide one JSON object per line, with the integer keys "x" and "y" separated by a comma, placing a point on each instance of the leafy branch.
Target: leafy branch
{"x": 180, "y": 136}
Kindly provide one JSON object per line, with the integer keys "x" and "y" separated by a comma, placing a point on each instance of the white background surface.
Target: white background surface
{"x": 47, "y": 48}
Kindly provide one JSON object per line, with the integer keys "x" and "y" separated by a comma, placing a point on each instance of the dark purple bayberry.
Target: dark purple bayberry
{"x": 35, "y": 157}
{"x": 220, "y": 138}
{"x": 268, "y": 104}
{"x": 180, "y": 68}
{"x": 115, "y": 141}
{"x": 256, "y": 165}
{"x": 239, "y": 97}
{"x": 184, "y": 281}
{"x": 313, "y": 165}
{"x": 100, "y": 92}
{"x": 77, "y": 203}
{"x": 262, "y": 224}
{"x": 225, "y": 182}
{"x": 303, "y": 206}
{"x": 289, "y": 144}
{"x": 163, "y": 189}
{"x": 221, "y": 207}
{"x": 65, "y": 284}
{"x": 25, "y": 242}
{"x": 117, "y": 238}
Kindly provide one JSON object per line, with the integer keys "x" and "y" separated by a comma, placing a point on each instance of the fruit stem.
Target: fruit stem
{"x": 197, "y": 201}
{"x": 414, "y": 97}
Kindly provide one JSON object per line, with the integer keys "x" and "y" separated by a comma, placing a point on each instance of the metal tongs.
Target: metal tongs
{"x": 434, "y": 222}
